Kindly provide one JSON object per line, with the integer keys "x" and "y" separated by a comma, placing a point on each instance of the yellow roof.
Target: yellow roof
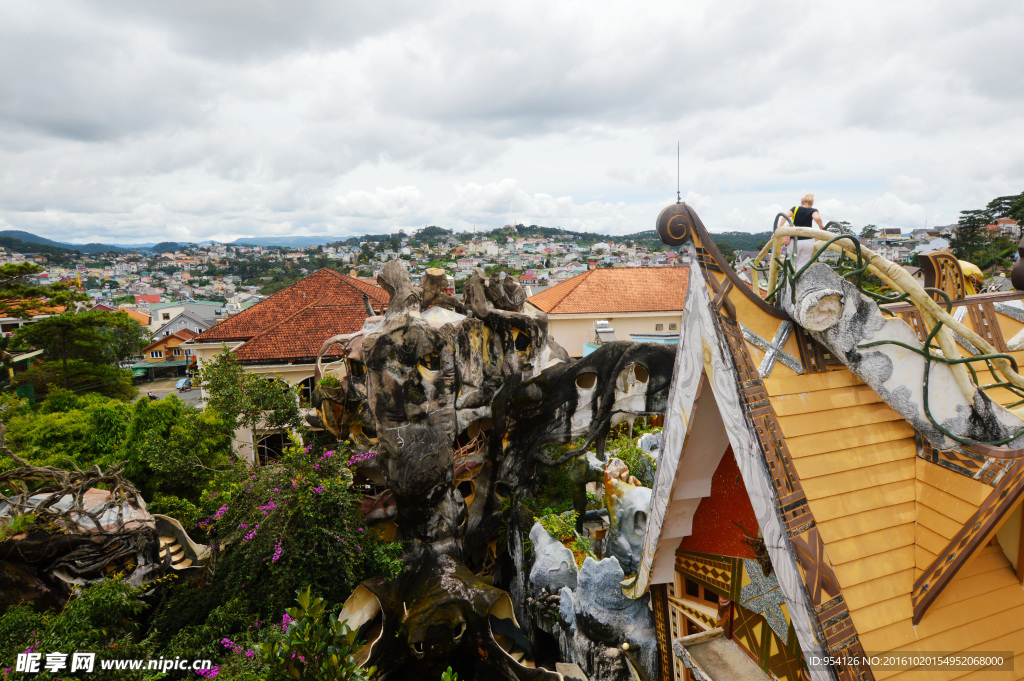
{"x": 891, "y": 522}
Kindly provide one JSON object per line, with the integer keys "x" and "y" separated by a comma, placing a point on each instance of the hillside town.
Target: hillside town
{"x": 238, "y": 276}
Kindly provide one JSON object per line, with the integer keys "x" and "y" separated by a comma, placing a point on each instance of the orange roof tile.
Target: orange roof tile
{"x": 340, "y": 289}
{"x": 300, "y": 335}
{"x": 617, "y": 289}
{"x": 140, "y": 317}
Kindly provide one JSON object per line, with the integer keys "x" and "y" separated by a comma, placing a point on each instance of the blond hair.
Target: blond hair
{"x": 808, "y": 200}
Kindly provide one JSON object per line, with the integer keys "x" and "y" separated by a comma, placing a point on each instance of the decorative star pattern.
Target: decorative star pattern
{"x": 773, "y": 350}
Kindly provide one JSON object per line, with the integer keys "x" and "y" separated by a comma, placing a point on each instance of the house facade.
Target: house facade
{"x": 281, "y": 336}
{"x": 166, "y": 356}
{"x": 184, "y": 320}
{"x": 634, "y": 301}
{"x": 162, "y": 313}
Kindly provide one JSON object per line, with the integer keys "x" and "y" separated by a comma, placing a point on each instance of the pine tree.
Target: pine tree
{"x": 971, "y": 235}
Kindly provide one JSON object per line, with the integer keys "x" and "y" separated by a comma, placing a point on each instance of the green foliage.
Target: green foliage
{"x": 98, "y": 337}
{"x": 563, "y": 487}
{"x": 278, "y": 528}
{"x": 249, "y": 400}
{"x": 971, "y": 235}
{"x": 21, "y": 295}
{"x": 868, "y": 232}
{"x": 562, "y": 526}
{"x": 79, "y": 376}
{"x": 449, "y": 675}
{"x": 170, "y": 447}
{"x": 11, "y": 526}
{"x": 330, "y": 381}
{"x": 740, "y": 241}
{"x": 315, "y": 647}
{"x": 103, "y": 618}
{"x": 625, "y": 449}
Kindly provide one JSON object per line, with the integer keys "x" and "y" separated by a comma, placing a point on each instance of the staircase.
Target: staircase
{"x": 169, "y": 546}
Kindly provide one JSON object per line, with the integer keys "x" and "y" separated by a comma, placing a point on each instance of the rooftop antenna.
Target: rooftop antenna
{"x": 679, "y": 197}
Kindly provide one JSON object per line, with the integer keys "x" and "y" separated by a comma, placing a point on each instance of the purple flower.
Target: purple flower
{"x": 208, "y": 673}
{"x": 220, "y": 512}
{"x": 277, "y": 551}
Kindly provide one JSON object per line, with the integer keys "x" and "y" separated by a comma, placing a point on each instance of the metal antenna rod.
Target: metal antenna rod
{"x": 679, "y": 197}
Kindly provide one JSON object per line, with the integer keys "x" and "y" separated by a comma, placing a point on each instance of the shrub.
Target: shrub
{"x": 316, "y": 646}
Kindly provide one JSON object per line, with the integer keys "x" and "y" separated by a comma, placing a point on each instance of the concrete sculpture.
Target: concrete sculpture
{"x": 460, "y": 399}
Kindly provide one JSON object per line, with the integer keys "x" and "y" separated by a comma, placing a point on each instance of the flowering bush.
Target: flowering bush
{"x": 276, "y": 529}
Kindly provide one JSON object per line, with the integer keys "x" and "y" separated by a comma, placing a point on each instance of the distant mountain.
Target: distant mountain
{"x": 57, "y": 253}
{"x": 742, "y": 241}
{"x": 288, "y": 241}
{"x": 29, "y": 237}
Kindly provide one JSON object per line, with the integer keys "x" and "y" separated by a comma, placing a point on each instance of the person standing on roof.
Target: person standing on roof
{"x": 805, "y": 215}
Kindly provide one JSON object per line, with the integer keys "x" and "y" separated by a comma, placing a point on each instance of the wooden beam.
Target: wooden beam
{"x": 1020, "y": 551}
{"x": 978, "y": 529}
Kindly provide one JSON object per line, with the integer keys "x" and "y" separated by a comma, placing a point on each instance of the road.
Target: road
{"x": 164, "y": 387}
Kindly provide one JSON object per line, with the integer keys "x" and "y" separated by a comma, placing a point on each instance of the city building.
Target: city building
{"x": 632, "y": 301}
{"x": 282, "y": 335}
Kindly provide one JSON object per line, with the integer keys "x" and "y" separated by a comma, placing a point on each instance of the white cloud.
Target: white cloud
{"x": 119, "y": 120}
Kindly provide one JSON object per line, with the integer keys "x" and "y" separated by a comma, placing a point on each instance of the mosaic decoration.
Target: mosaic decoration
{"x": 814, "y": 357}
{"x": 1014, "y": 309}
{"x": 762, "y": 595}
{"x": 773, "y": 349}
{"x": 986, "y": 469}
{"x": 659, "y": 604}
{"x": 721, "y": 574}
{"x": 983, "y": 319}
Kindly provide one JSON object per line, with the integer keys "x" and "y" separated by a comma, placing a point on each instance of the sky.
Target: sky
{"x": 128, "y": 121}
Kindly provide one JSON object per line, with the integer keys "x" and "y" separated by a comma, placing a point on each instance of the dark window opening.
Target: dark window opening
{"x": 306, "y": 386}
{"x": 270, "y": 447}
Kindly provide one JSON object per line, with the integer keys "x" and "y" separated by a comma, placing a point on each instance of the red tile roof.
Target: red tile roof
{"x": 617, "y": 289}
{"x": 265, "y": 314}
{"x": 300, "y": 335}
{"x": 140, "y": 317}
{"x": 293, "y": 323}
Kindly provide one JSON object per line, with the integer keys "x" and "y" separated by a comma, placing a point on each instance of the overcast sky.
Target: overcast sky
{"x": 132, "y": 121}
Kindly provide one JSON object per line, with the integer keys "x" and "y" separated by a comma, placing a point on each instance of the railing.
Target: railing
{"x": 939, "y": 345}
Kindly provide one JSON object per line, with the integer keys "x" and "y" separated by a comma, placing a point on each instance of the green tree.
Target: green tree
{"x": 1002, "y": 206}
{"x": 21, "y": 294}
{"x": 247, "y": 400}
{"x": 79, "y": 376}
{"x": 95, "y": 337}
{"x": 868, "y": 232}
{"x": 971, "y": 235}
